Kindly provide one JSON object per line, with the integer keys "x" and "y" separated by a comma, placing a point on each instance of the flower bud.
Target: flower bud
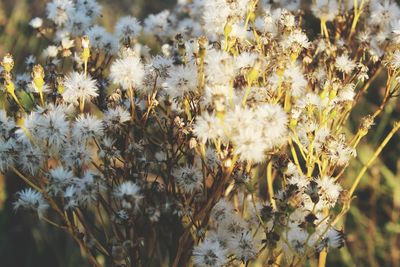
{"x": 7, "y": 62}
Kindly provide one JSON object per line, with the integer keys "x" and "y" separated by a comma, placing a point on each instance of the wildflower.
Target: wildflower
{"x": 128, "y": 72}
{"x": 383, "y": 12}
{"x": 294, "y": 77}
{"x": 245, "y": 60}
{"x": 60, "y": 11}
{"x": 54, "y": 127}
{"x": 31, "y": 158}
{"x": 274, "y": 121}
{"x": 127, "y": 29}
{"x": 77, "y": 23}
{"x": 129, "y": 193}
{"x": 116, "y": 118}
{"x": 30, "y": 61}
{"x": 90, "y": 8}
{"x": 243, "y": 246}
{"x": 70, "y": 197}
{"x": 50, "y": 52}
{"x": 333, "y": 239}
{"x": 7, "y": 125}
{"x": 76, "y": 155}
{"x": 297, "y": 41}
{"x": 157, "y": 24}
{"x": 339, "y": 152}
{"x": 181, "y": 80}
{"x": 232, "y": 227}
{"x": 189, "y": 178}
{"x": 31, "y": 199}
{"x": 36, "y": 23}
{"x": 212, "y": 159}
{"x": 344, "y": 64}
{"x": 395, "y": 61}
{"x": 60, "y": 178}
{"x": 300, "y": 181}
{"x": 325, "y": 10}
{"x": 88, "y": 188}
{"x": 329, "y": 191}
{"x": 79, "y": 87}
{"x": 102, "y": 40}
{"x": 86, "y": 127}
{"x": 250, "y": 145}
{"x": 207, "y": 127}
{"x": 296, "y": 239}
{"x": 215, "y": 17}
{"x": 222, "y": 211}
{"x": 221, "y": 68}
{"x": 209, "y": 253}
{"x": 7, "y": 155}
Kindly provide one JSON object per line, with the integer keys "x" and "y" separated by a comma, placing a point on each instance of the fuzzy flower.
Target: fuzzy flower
{"x": 88, "y": 188}
{"x": 78, "y": 23}
{"x": 36, "y": 23}
{"x": 128, "y": 72}
{"x": 127, "y": 28}
{"x": 395, "y": 60}
{"x": 59, "y": 178}
{"x": 243, "y": 246}
{"x": 76, "y": 154}
{"x": 344, "y": 64}
{"x": 115, "y": 118}
{"x": 79, "y": 87}
{"x": 6, "y": 125}
{"x": 325, "y": 10}
{"x": 157, "y": 24}
{"x": 274, "y": 121}
{"x": 189, "y": 178}
{"x": 220, "y": 70}
{"x": 31, "y": 199}
{"x": 70, "y": 197}
{"x": 54, "y": 127}
{"x": 294, "y": 78}
{"x": 297, "y": 41}
{"x": 333, "y": 239}
{"x": 129, "y": 193}
{"x": 209, "y": 253}
{"x": 86, "y": 127}
{"x": 90, "y": 8}
{"x": 102, "y": 40}
{"x": 296, "y": 239}
{"x": 250, "y": 145}
{"x": 182, "y": 80}
{"x": 31, "y": 158}
{"x": 7, "y": 154}
{"x": 383, "y": 12}
{"x": 60, "y": 11}
{"x": 329, "y": 191}
{"x": 207, "y": 127}
{"x": 222, "y": 211}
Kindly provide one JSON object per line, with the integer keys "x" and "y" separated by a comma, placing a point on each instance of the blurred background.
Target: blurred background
{"x": 372, "y": 226}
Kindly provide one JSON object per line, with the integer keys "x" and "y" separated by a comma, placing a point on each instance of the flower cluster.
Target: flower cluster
{"x": 172, "y": 146}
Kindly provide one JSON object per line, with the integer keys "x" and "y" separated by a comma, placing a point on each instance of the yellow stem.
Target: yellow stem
{"x": 270, "y": 184}
{"x": 132, "y": 100}
{"x": 376, "y": 154}
{"x": 26, "y": 179}
{"x": 246, "y": 95}
{"x": 294, "y": 154}
{"x": 81, "y": 104}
